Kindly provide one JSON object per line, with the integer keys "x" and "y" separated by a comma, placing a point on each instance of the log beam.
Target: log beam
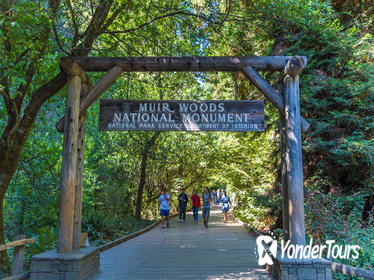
{"x": 16, "y": 243}
{"x": 183, "y": 64}
{"x": 69, "y": 166}
{"x": 71, "y": 68}
{"x": 295, "y": 65}
{"x": 94, "y": 93}
{"x": 270, "y": 93}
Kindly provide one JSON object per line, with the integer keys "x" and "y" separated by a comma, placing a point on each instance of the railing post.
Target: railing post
{"x": 294, "y": 151}
{"x": 18, "y": 257}
{"x": 79, "y": 175}
{"x": 69, "y": 165}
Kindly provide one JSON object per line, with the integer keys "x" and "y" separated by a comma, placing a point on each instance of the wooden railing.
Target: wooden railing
{"x": 18, "y": 256}
{"x": 353, "y": 271}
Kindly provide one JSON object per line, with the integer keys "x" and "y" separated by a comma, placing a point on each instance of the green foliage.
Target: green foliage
{"x": 338, "y": 217}
{"x": 45, "y": 239}
{"x": 337, "y": 94}
{"x": 103, "y": 228}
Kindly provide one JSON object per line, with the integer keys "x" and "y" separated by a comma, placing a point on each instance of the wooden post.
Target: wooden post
{"x": 282, "y": 146}
{"x": 18, "y": 257}
{"x": 294, "y": 152}
{"x": 98, "y": 89}
{"x": 69, "y": 166}
{"x": 79, "y": 175}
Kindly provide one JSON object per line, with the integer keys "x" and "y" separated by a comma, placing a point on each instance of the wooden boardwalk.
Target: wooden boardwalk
{"x": 185, "y": 251}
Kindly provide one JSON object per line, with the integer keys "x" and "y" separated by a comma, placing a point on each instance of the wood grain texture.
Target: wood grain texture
{"x": 79, "y": 175}
{"x": 69, "y": 166}
{"x": 18, "y": 257}
{"x": 294, "y": 161}
{"x": 354, "y": 271}
{"x": 16, "y": 243}
{"x": 71, "y": 68}
{"x": 283, "y": 167}
{"x": 270, "y": 93}
{"x": 94, "y": 92}
{"x": 295, "y": 65}
{"x": 186, "y": 251}
{"x": 185, "y": 64}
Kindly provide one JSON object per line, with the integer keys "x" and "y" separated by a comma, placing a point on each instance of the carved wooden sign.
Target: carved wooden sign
{"x": 160, "y": 115}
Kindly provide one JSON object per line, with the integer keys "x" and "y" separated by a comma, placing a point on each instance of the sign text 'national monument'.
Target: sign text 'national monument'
{"x": 160, "y": 115}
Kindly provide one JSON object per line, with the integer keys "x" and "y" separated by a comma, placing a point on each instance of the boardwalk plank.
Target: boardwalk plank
{"x": 185, "y": 251}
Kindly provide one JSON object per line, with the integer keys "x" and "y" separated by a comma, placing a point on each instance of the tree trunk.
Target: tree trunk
{"x": 9, "y": 166}
{"x": 11, "y": 147}
{"x": 4, "y": 260}
{"x": 139, "y": 198}
{"x": 143, "y": 173}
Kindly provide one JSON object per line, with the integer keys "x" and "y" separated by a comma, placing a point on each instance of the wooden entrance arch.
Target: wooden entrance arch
{"x": 81, "y": 93}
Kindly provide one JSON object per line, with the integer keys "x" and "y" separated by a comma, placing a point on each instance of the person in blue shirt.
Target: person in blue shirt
{"x": 226, "y": 203}
{"x": 163, "y": 206}
{"x": 183, "y": 199}
{"x": 207, "y": 198}
{"x": 214, "y": 196}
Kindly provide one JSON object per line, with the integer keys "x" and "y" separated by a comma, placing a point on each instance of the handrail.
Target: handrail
{"x": 132, "y": 235}
{"x": 350, "y": 270}
{"x": 18, "y": 257}
{"x": 16, "y": 243}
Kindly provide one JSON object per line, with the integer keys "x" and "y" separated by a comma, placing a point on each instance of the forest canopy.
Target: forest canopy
{"x": 125, "y": 172}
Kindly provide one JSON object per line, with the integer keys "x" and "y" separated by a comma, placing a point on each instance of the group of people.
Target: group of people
{"x": 207, "y": 197}
{"x": 218, "y": 195}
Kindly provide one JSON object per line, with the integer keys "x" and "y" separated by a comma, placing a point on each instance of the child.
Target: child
{"x": 225, "y": 200}
{"x": 206, "y": 205}
{"x": 195, "y": 205}
{"x": 183, "y": 199}
{"x": 163, "y": 205}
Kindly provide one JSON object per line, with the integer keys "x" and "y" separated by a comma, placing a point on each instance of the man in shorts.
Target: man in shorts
{"x": 163, "y": 206}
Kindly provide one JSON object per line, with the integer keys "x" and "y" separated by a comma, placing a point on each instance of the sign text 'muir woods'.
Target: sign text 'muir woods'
{"x": 181, "y": 115}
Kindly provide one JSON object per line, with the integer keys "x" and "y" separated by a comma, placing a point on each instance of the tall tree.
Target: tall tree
{"x": 27, "y": 28}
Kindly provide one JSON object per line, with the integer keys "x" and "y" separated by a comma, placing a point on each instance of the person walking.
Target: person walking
{"x": 183, "y": 199}
{"x": 226, "y": 203}
{"x": 214, "y": 196}
{"x": 164, "y": 208}
{"x": 207, "y": 198}
{"x": 196, "y": 204}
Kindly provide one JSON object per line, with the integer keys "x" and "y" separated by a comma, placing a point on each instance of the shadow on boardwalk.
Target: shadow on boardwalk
{"x": 185, "y": 251}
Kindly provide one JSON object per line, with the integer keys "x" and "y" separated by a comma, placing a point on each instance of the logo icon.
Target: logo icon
{"x": 264, "y": 243}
